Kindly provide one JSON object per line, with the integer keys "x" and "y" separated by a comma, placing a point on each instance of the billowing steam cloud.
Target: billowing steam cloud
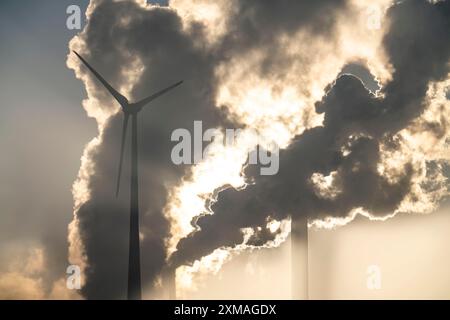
{"x": 359, "y": 132}
{"x": 358, "y": 128}
{"x": 272, "y": 66}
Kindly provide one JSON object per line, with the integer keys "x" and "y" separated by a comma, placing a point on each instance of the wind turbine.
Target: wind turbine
{"x": 130, "y": 110}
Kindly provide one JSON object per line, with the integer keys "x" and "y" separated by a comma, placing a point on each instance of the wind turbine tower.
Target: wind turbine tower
{"x": 130, "y": 110}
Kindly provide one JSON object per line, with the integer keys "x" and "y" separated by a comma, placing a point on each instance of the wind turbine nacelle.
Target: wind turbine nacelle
{"x": 132, "y": 108}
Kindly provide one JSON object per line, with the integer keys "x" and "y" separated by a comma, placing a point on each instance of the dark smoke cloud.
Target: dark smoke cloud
{"x": 418, "y": 48}
{"x": 261, "y": 24}
{"x": 168, "y": 54}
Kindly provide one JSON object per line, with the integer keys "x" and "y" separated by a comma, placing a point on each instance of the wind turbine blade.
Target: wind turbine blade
{"x": 147, "y": 100}
{"x": 120, "y": 98}
{"x": 122, "y": 149}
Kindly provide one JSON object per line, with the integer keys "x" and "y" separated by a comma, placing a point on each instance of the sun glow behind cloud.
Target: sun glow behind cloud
{"x": 279, "y": 106}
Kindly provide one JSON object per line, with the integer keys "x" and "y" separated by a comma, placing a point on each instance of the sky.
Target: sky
{"x": 44, "y": 130}
{"x": 238, "y": 72}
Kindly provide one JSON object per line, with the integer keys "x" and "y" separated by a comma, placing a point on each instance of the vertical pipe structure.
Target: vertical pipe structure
{"x": 169, "y": 282}
{"x": 134, "y": 261}
{"x": 299, "y": 258}
{"x": 172, "y": 285}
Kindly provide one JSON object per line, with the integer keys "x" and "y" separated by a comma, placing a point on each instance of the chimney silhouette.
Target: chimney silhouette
{"x": 169, "y": 283}
{"x": 299, "y": 258}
